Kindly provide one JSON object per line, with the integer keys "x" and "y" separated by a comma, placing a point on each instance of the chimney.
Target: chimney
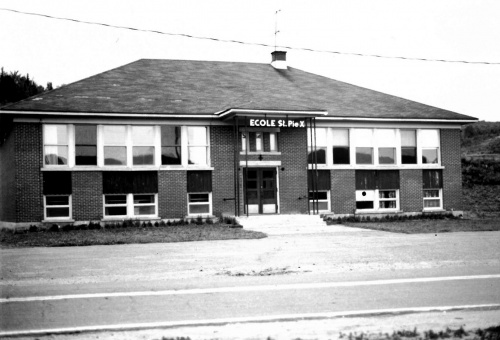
{"x": 279, "y": 60}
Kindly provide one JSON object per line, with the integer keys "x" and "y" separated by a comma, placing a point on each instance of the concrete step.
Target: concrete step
{"x": 283, "y": 224}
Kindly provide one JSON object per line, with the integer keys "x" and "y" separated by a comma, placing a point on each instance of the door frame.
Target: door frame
{"x": 276, "y": 189}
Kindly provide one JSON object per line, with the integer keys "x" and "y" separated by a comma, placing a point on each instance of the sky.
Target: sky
{"x": 63, "y": 52}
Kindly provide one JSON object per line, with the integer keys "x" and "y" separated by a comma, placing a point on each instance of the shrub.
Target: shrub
{"x": 67, "y": 227}
{"x": 33, "y": 229}
{"x": 54, "y": 228}
{"x": 210, "y": 221}
{"x": 157, "y": 224}
{"x": 199, "y": 220}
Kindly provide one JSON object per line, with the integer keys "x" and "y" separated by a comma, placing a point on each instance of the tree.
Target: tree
{"x": 15, "y": 87}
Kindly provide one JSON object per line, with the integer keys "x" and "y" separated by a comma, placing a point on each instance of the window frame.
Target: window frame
{"x": 327, "y": 200}
{"x": 58, "y": 218}
{"x": 130, "y": 205}
{"x": 376, "y": 201}
{"x": 70, "y": 145}
{"x": 200, "y": 203}
{"x": 440, "y": 198}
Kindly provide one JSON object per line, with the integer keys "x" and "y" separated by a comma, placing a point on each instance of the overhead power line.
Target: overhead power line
{"x": 248, "y": 43}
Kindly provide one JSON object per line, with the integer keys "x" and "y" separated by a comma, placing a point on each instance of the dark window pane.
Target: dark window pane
{"x": 143, "y": 155}
{"x": 341, "y": 155}
{"x": 387, "y": 205}
{"x": 268, "y": 194}
{"x": 409, "y": 155}
{"x": 144, "y": 199}
{"x": 320, "y": 206}
{"x": 57, "y": 183}
{"x": 364, "y": 155}
{"x": 85, "y": 155}
{"x": 364, "y": 205}
{"x": 85, "y": 135}
{"x": 170, "y": 135}
{"x": 320, "y": 195}
{"x": 199, "y": 181}
{"x": 366, "y": 179}
{"x": 321, "y": 182}
{"x": 387, "y": 194}
{"x": 387, "y": 179}
{"x": 115, "y": 211}
{"x": 251, "y": 184}
{"x": 386, "y": 155}
{"x": 198, "y": 198}
{"x": 432, "y": 203}
{"x": 432, "y": 179}
{"x": 115, "y": 199}
{"x": 171, "y": 155}
{"x": 251, "y": 173}
{"x": 57, "y": 200}
{"x": 57, "y": 212}
{"x": 318, "y": 156}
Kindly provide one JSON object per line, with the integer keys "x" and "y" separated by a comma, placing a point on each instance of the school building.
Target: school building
{"x": 169, "y": 139}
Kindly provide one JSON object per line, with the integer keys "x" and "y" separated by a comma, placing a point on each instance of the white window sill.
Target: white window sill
{"x": 375, "y": 167}
{"x": 276, "y": 153}
{"x": 131, "y": 218}
{"x": 373, "y": 211}
{"x": 56, "y": 220}
{"x": 433, "y": 210}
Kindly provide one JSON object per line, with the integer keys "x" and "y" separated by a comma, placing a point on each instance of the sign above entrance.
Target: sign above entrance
{"x": 297, "y": 123}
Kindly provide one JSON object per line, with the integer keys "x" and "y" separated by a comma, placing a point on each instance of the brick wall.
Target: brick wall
{"x": 343, "y": 192}
{"x": 87, "y": 195}
{"x": 172, "y": 194}
{"x": 28, "y": 158}
{"x": 452, "y": 173}
{"x": 8, "y": 180}
{"x": 222, "y": 157}
{"x": 293, "y": 180}
{"x": 411, "y": 192}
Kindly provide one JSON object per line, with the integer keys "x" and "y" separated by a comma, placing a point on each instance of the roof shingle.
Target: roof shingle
{"x": 205, "y": 87}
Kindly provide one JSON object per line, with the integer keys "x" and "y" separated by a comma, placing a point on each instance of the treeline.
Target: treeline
{"x": 480, "y": 171}
{"x": 15, "y": 87}
{"x": 482, "y": 132}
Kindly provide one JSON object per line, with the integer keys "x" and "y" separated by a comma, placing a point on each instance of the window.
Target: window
{"x": 130, "y": 194}
{"x": 340, "y": 146}
{"x": 57, "y": 195}
{"x": 319, "y": 190}
{"x": 259, "y": 141}
{"x": 377, "y": 190}
{"x": 317, "y": 151}
{"x": 386, "y": 142}
{"x": 130, "y": 205}
{"x": 197, "y": 137}
{"x": 55, "y": 139}
{"x": 319, "y": 200}
{"x": 363, "y": 138}
{"x": 432, "y": 189}
{"x": 115, "y": 144}
{"x": 85, "y": 145}
{"x": 143, "y": 149}
{"x": 171, "y": 149}
{"x": 429, "y": 141}
{"x": 408, "y": 147}
{"x": 199, "y": 188}
{"x": 199, "y": 203}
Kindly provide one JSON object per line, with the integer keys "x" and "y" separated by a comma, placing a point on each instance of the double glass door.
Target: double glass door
{"x": 260, "y": 191}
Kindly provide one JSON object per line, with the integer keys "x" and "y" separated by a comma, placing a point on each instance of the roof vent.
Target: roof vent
{"x": 279, "y": 60}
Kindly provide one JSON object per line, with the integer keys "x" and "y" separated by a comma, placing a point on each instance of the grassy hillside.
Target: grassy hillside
{"x": 481, "y": 138}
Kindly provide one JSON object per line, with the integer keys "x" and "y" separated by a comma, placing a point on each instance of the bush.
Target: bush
{"x": 54, "y": 228}
{"x": 33, "y": 229}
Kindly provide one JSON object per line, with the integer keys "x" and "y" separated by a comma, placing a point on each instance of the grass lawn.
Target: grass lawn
{"x": 430, "y": 226}
{"x": 183, "y": 233}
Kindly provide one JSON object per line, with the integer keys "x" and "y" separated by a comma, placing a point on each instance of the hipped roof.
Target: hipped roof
{"x": 151, "y": 86}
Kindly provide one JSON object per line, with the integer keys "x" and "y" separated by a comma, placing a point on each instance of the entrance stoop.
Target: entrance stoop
{"x": 284, "y": 224}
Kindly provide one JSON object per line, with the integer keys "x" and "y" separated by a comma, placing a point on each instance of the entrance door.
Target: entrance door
{"x": 260, "y": 186}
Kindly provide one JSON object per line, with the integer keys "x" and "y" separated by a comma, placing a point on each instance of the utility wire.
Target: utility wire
{"x": 249, "y": 43}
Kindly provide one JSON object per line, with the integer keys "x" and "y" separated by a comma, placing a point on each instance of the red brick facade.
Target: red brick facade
{"x": 22, "y": 178}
